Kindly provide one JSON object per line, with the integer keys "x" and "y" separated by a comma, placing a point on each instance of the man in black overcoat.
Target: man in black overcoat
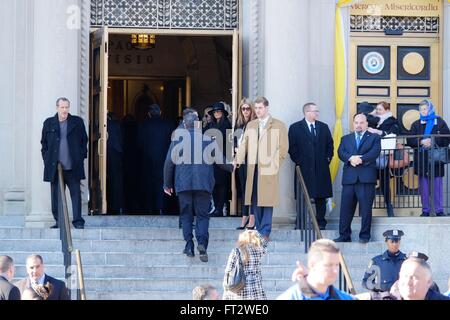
{"x": 64, "y": 140}
{"x": 311, "y": 148}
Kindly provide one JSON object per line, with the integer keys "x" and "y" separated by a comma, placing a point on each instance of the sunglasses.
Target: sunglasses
{"x": 246, "y": 109}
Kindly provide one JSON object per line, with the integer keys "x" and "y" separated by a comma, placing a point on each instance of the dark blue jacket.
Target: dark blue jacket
{"x": 194, "y": 171}
{"x": 369, "y": 149}
{"x": 389, "y": 267}
{"x": 77, "y": 140}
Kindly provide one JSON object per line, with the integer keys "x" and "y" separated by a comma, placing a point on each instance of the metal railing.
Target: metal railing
{"x": 405, "y": 167}
{"x": 65, "y": 235}
{"x": 310, "y": 231}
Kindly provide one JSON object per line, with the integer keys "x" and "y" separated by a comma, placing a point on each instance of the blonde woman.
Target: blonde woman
{"x": 244, "y": 116}
{"x": 251, "y": 248}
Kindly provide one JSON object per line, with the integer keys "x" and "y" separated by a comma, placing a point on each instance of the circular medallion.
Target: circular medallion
{"x": 413, "y": 63}
{"x": 409, "y": 117}
{"x": 373, "y": 62}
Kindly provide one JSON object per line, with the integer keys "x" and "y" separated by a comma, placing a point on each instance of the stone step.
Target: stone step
{"x": 100, "y": 259}
{"x": 154, "y": 221}
{"x": 154, "y": 295}
{"x": 34, "y": 245}
{"x": 12, "y": 220}
{"x": 28, "y": 233}
{"x": 50, "y": 258}
{"x": 121, "y": 284}
{"x": 169, "y": 246}
{"x": 169, "y": 233}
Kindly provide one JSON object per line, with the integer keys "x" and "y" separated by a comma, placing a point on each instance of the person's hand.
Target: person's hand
{"x": 426, "y": 142}
{"x": 355, "y": 160}
{"x": 168, "y": 191}
{"x": 299, "y": 273}
{"x": 234, "y": 165}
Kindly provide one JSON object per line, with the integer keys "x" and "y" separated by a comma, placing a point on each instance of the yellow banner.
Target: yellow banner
{"x": 402, "y": 8}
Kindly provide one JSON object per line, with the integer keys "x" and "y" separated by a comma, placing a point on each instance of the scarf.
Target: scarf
{"x": 430, "y": 118}
{"x": 383, "y": 117}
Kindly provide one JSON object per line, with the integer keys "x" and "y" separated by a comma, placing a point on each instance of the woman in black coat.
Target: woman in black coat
{"x": 222, "y": 178}
{"x": 244, "y": 116}
{"x": 387, "y": 124}
{"x": 429, "y": 123}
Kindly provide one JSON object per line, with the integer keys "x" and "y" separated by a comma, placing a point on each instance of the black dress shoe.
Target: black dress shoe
{"x": 55, "y": 226}
{"x": 363, "y": 240}
{"x": 242, "y": 227}
{"x": 342, "y": 239}
{"x": 78, "y": 227}
{"x": 425, "y": 214}
{"x": 440, "y": 214}
{"x": 189, "y": 252}
{"x": 202, "y": 251}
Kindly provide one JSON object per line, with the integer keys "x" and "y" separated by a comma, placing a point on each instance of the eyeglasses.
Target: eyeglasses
{"x": 246, "y": 109}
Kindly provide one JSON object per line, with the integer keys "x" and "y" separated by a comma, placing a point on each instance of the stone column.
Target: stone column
{"x": 445, "y": 32}
{"x": 298, "y": 67}
{"x": 55, "y": 61}
{"x": 16, "y": 98}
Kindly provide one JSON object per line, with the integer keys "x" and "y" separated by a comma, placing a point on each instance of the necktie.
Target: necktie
{"x": 358, "y": 139}
{"x": 313, "y": 130}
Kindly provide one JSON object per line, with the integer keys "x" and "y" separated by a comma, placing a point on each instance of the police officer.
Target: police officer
{"x": 383, "y": 269}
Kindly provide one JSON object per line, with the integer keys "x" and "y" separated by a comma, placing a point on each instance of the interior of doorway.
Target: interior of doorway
{"x": 180, "y": 71}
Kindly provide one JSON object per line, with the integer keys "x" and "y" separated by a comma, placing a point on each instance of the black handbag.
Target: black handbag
{"x": 234, "y": 280}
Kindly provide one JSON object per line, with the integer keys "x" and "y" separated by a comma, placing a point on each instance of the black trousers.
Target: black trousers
{"x": 364, "y": 194}
{"x": 75, "y": 195}
{"x": 321, "y": 210}
{"x": 384, "y": 176}
{"x": 114, "y": 182}
{"x": 220, "y": 193}
{"x": 198, "y": 202}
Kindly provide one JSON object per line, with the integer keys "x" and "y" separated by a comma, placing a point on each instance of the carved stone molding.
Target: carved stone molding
{"x": 166, "y": 14}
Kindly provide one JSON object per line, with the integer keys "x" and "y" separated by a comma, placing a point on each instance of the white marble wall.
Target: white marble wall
{"x": 298, "y": 67}
{"x": 446, "y": 64}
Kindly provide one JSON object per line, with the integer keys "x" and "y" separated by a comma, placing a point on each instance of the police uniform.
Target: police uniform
{"x": 383, "y": 270}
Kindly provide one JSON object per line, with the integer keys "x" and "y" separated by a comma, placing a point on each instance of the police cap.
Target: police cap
{"x": 394, "y": 234}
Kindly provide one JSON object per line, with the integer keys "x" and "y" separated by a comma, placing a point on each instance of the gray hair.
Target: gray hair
{"x": 189, "y": 120}
{"x": 5, "y": 263}
{"x": 61, "y": 99}
{"x": 306, "y": 105}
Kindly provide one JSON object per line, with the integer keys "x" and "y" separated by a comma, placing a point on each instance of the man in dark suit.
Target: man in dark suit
{"x": 153, "y": 143}
{"x": 311, "y": 148}
{"x": 358, "y": 150}
{"x": 64, "y": 141}
{"x": 37, "y": 276}
{"x": 7, "y": 290}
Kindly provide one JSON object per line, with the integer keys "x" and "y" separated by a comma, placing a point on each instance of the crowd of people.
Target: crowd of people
{"x": 195, "y": 163}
